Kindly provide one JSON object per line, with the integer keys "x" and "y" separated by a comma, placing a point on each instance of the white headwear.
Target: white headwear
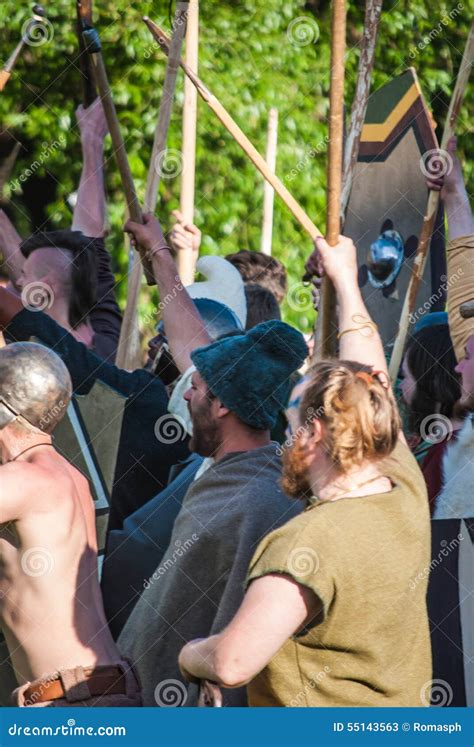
{"x": 223, "y": 284}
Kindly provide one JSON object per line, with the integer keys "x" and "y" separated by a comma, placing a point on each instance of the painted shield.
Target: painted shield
{"x": 388, "y": 199}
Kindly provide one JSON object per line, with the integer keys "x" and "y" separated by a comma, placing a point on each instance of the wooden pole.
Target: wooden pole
{"x": 429, "y": 219}
{"x": 373, "y": 10}
{"x": 186, "y": 259}
{"x": 126, "y": 352}
{"x": 269, "y": 192}
{"x": 134, "y": 209}
{"x": 232, "y": 127}
{"x": 84, "y": 20}
{"x": 325, "y": 337}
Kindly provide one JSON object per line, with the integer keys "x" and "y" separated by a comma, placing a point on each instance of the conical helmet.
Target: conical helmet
{"x": 34, "y": 385}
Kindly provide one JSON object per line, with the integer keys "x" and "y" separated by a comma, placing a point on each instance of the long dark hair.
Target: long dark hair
{"x": 431, "y": 361}
{"x": 83, "y": 272}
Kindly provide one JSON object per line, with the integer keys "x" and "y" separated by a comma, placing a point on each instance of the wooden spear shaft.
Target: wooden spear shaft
{"x": 269, "y": 193}
{"x": 233, "y": 128}
{"x": 429, "y": 219}
{"x": 325, "y": 338}
{"x": 129, "y": 329}
{"x": 186, "y": 259}
{"x": 134, "y": 209}
{"x": 373, "y": 10}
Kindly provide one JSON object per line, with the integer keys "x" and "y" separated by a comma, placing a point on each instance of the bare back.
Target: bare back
{"x": 51, "y": 609}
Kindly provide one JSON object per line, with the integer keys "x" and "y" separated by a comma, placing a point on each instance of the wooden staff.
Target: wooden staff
{"x": 186, "y": 258}
{"x": 84, "y": 21}
{"x": 232, "y": 127}
{"x": 126, "y": 352}
{"x": 373, "y": 10}
{"x": 7, "y": 167}
{"x": 37, "y": 20}
{"x": 269, "y": 192}
{"x": 325, "y": 338}
{"x": 429, "y": 219}
{"x": 92, "y": 42}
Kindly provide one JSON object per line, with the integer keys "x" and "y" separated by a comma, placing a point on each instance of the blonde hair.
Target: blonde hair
{"x": 358, "y": 412}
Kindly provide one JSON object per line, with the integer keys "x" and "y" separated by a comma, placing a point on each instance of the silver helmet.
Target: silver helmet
{"x": 34, "y": 386}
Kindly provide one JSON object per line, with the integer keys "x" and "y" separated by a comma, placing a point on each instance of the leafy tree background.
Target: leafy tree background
{"x": 253, "y": 56}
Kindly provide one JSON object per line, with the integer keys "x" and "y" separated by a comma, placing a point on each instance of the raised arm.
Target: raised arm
{"x": 359, "y": 339}
{"x": 89, "y": 212}
{"x": 184, "y": 327}
{"x": 10, "y": 241}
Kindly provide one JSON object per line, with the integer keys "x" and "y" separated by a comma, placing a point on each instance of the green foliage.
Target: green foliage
{"x": 252, "y": 58}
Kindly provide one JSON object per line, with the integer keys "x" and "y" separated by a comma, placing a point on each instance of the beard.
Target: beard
{"x": 295, "y": 480}
{"x": 206, "y": 437}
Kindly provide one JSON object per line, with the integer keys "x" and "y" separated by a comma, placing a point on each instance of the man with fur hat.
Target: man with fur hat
{"x": 51, "y": 611}
{"x": 236, "y": 391}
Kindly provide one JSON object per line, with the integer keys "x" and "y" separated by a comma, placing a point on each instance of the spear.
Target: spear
{"x": 268, "y": 195}
{"x": 129, "y": 329}
{"x": 324, "y": 342}
{"x": 240, "y": 138}
{"x": 93, "y": 46}
{"x": 186, "y": 259}
{"x": 429, "y": 219}
{"x": 84, "y": 21}
{"x": 37, "y": 23}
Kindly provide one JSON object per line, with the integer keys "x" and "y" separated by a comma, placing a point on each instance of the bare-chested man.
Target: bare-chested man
{"x": 51, "y": 611}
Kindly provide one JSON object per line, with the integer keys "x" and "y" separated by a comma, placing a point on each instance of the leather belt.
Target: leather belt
{"x": 103, "y": 680}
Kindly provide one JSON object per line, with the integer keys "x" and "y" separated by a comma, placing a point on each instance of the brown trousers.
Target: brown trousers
{"x": 75, "y": 686}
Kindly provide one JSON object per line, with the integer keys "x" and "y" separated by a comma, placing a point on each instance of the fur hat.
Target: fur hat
{"x": 250, "y": 373}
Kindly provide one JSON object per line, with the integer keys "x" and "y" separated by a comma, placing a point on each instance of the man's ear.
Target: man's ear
{"x": 312, "y": 436}
{"x": 220, "y": 409}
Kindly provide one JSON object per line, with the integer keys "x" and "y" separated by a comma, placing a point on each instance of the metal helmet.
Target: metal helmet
{"x": 385, "y": 259}
{"x": 34, "y": 386}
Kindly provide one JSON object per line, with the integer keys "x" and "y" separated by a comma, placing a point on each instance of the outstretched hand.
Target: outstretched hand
{"x": 184, "y": 236}
{"x": 92, "y": 121}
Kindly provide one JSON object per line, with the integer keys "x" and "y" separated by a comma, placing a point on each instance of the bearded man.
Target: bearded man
{"x": 239, "y": 386}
